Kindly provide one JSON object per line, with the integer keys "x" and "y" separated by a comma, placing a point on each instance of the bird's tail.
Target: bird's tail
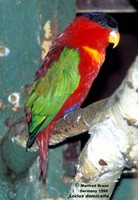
{"x": 43, "y": 142}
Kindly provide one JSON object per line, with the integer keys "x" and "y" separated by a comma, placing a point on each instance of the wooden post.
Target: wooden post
{"x": 19, "y": 174}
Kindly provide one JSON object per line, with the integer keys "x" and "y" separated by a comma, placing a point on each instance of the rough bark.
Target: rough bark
{"x": 113, "y": 144}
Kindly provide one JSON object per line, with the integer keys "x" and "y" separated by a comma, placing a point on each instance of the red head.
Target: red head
{"x": 89, "y": 29}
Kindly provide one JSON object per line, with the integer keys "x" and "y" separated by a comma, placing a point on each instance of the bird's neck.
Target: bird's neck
{"x": 91, "y": 61}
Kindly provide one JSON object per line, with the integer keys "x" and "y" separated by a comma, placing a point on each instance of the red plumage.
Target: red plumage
{"x": 81, "y": 34}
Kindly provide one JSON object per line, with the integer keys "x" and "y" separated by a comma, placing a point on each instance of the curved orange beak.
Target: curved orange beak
{"x": 114, "y": 37}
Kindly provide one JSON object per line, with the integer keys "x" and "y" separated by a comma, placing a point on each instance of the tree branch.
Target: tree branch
{"x": 77, "y": 122}
{"x": 113, "y": 144}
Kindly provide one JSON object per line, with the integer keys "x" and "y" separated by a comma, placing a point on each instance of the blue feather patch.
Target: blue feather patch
{"x": 75, "y": 106}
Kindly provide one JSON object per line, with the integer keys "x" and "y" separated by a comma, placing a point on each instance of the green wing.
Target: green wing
{"x": 49, "y": 93}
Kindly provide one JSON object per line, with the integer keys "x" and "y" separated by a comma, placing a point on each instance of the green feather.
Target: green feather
{"x": 49, "y": 93}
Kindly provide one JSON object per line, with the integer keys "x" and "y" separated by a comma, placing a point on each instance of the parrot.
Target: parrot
{"x": 66, "y": 74}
